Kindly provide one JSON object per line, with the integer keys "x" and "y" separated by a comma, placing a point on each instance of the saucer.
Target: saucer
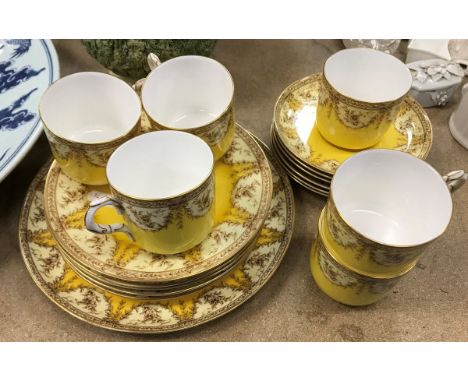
{"x": 243, "y": 190}
{"x": 321, "y": 176}
{"x": 149, "y": 294}
{"x": 101, "y": 308}
{"x": 292, "y": 167}
{"x": 299, "y": 178}
{"x": 294, "y": 118}
{"x": 306, "y": 180}
{"x": 154, "y": 291}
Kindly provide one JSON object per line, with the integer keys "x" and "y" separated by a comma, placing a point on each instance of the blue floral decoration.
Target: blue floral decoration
{"x": 11, "y": 118}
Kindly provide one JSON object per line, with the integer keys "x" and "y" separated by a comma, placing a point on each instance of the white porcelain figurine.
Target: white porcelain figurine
{"x": 458, "y": 121}
{"x": 435, "y": 81}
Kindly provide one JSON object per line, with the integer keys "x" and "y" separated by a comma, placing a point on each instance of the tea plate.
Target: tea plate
{"x": 300, "y": 178}
{"x": 149, "y": 294}
{"x": 27, "y": 68}
{"x": 98, "y": 307}
{"x": 291, "y": 167}
{"x": 307, "y": 186}
{"x": 322, "y": 177}
{"x": 303, "y": 183}
{"x": 308, "y": 181}
{"x": 243, "y": 190}
{"x": 146, "y": 291}
{"x": 294, "y": 118}
{"x": 315, "y": 173}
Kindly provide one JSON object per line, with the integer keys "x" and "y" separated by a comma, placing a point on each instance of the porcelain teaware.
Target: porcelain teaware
{"x": 385, "y": 207}
{"x": 361, "y": 96}
{"x": 162, "y": 183}
{"x": 86, "y": 116}
{"x": 193, "y": 94}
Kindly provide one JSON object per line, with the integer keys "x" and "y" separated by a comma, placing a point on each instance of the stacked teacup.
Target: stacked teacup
{"x": 122, "y": 198}
{"x": 385, "y": 207}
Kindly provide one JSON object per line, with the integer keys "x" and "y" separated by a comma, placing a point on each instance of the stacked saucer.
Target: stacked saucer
{"x": 309, "y": 159}
{"x": 243, "y": 192}
{"x": 109, "y": 281}
{"x": 56, "y": 265}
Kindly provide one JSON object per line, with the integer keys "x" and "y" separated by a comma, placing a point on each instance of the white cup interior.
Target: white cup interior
{"x": 392, "y": 198}
{"x": 159, "y": 165}
{"x": 367, "y": 75}
{"x": 187, "y": 92}
{"x": 90, "y": 107}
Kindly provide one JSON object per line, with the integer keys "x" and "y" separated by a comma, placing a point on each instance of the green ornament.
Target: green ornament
{"x": 128, "y": 58}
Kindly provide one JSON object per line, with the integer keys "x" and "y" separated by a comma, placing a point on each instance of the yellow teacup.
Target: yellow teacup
{"x": 86, "y": 116}
{"x": 162, "y": 184}
{"x": 385, "y": 208}
{"x": 360, "y": 98}
{"x": 193, "y": 94}
{"x": 344, "y": 284}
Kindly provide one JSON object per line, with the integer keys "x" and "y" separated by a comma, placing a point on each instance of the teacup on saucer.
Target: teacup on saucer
{"x": 294, "y": 118}
{"x": 243, "y": 190}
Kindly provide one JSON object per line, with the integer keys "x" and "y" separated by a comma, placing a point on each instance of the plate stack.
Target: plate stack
{"x": 309, "y": 159}
{"x": 109, "y": 281}
{"x": 243, "y": 197}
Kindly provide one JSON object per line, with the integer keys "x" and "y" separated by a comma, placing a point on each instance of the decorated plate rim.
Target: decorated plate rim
{"x": 28, "y": 142}
{"x": 291, "y": 168}
{"x": 67, "y": 307}
{"x": 323, "y": 177}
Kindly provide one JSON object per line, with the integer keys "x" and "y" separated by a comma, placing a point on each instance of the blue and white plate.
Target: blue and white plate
{"x": 27, "y": 68}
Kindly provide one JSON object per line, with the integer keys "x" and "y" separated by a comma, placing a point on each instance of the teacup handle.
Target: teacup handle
{"x": 153, "y": 62}
{"x": 92, "y": 226}
{"x": 455, "y": 179}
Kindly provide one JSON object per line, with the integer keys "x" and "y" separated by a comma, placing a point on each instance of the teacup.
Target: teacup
{"x": 192, "y": 94}
{"x": 385, "y": 207}
{"x": 162, "y": 184}
{"x": 361, "y": 95}
{"x": 344, "y": 284}
{"x": 86, "y": 116}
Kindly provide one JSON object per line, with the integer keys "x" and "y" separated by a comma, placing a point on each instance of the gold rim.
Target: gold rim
{"x": 325, "y": 177}
{"x": 300, "y": 176}
{"x": 160, "y": 287}
{"x": 195, "y": 269}
{"x": 291, "y": 168}
{"x": 335, "y": 94}
{"x": 195, "y": 190}
{"x": 360, "y": 102}
{"x": 194, "y": 130}
{"x": 94, "y": 145}
{"x": 103, "y": 323}
{"x": 200, "y": 128}
{"x": 166, "y": 201}
{"x": 147, "y": 295}
{"x": 299, "y": 181}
